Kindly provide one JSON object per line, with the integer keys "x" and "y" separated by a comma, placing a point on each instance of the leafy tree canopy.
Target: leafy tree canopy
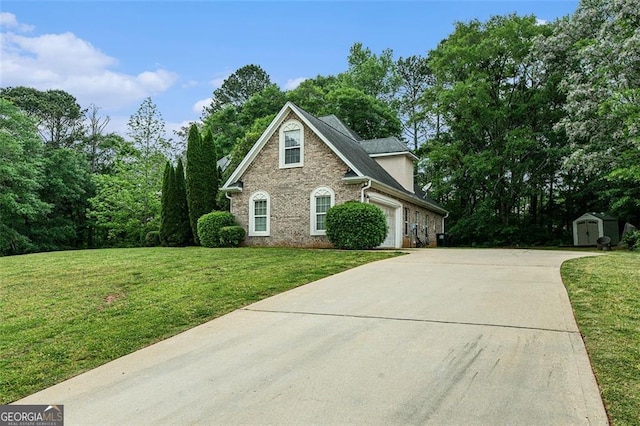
{"x": 239, "y": 87}
{"x": 498, "y": 151}
{"x": 598, "y": 48}
{"x": 21, "y": 172}
{"x": 375, "y": 75}
{"x": 58, "y": 114}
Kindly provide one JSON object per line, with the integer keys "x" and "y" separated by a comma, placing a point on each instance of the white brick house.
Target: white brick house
{"x": 302, "y": 165}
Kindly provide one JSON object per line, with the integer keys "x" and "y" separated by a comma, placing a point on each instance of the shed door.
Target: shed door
{"x": 390, "y": 214}
{"x": 587, "y": 233}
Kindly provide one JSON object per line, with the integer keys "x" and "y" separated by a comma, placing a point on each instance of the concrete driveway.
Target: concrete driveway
{"x": 440, "y": 336}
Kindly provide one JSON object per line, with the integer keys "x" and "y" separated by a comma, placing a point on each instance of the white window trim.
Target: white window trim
{"x": 259, "y": 195}
{"x": 312, "y": 210}
{"x": 286, "y": 126}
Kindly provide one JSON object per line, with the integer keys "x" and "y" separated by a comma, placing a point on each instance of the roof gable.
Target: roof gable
{"x": 310, "y": 121}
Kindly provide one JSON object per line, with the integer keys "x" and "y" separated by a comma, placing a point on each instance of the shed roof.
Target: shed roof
{"x": 601, "y": 216}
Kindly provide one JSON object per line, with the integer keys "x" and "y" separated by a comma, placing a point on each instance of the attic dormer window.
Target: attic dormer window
{"x": 291, "y": 144}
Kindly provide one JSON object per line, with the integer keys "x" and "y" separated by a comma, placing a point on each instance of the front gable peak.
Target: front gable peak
{"x": 290, "y": 123}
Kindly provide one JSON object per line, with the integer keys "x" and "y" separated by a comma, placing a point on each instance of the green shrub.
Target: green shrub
{"x": 631, "y": 240}
{"x": 209, "y": 226}
{"x": 152, "y": 239}
{"x": 231, "y": 236}
{"x": 356, "y": 226}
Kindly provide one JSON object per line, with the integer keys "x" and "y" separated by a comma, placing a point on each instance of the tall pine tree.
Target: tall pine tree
{"x": 201, "y": 178}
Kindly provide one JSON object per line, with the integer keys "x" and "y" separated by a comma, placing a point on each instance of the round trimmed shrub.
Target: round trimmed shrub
{"x": 356, "y": 226}
{"x": 231, "y": 236}
{"x": 209, "y": 226}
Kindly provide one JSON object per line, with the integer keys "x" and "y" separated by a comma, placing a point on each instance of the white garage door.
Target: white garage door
{"x": 390, "y": 214}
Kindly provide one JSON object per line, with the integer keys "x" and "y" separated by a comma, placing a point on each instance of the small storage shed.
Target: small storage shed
{"x": 591, "y": 226}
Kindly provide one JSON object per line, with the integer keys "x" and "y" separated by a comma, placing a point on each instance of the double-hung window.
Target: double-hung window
{"x": 259, "y": 214}
{"x": 291, "y": 144}
{"x": 321, "y": 201}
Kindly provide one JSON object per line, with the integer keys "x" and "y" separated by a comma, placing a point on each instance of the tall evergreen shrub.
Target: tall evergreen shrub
{"x": 201, "y": 179}
{"x": 184, "y": 227}
{"x": 167, "y": 201}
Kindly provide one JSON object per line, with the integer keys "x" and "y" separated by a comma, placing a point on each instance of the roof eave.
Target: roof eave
{"x": 231, "y": 190}
{"x": 407, "y": 196}
{"x": 391, "y": 154}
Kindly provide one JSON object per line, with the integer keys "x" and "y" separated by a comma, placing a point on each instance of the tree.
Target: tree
{"x": 498, "y": 151}
{"x": 168, "y": 204}
{"x": 366, "y": 115}
{"x": 201, "y": 177}
{"x": 146, "y": 128}
{"x": 597, "y": 50}
{"x": 21, "y": 171}
{"x": 116, "y": 209}
{"x": 225, "y": 125}
{"x": 266, "y": 102}
{"x": 66, "y": 186}
{"x": 184, "y": 233}
{"x": 311, "y": 94}
{"x": 416, "y": 78}
{"x": 239, "y": 87}
{"x": 59, "y": 117}
{"x": 98, "y": 146}
{"x": 374, "y": 75}
{"x": 175, "y": 230}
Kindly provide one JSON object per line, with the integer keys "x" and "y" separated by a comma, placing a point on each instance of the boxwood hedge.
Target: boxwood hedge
{"x": 356, "y": 226}
{"x": 209, "y": 226}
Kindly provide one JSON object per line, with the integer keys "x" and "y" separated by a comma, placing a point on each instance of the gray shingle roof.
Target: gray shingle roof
{"x": 337, "y": 124}
{"x": 384, "y": 146}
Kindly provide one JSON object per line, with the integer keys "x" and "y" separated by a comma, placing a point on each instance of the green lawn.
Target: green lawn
{"x": 605, "y": 295}
{"x": 64, "y": 313}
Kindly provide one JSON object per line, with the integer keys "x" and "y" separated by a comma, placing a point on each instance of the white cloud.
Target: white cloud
{"x": 171, "y": 128}
{"x": 9, "y": 20}
{"x": 541, "y": 21}
{"x": 198, "y": 106}
{"x": 294, "y": 82}
{"x": 219, "y": 79}
{"x": 118, "y": 124}
{"x": 64, "y": 61}
{"x": 190, "y": 83}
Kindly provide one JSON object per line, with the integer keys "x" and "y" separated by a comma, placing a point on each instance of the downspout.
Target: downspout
{"x": 226, "y": 194}
{"x": 364, "y": 188}
{"x": 446, "y": 216}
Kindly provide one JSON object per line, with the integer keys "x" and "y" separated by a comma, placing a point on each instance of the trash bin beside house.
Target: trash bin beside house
{"x": 443, "y": 240}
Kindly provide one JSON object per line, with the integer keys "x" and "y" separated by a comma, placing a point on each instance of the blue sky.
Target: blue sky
{"x": 116, "y": 53}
